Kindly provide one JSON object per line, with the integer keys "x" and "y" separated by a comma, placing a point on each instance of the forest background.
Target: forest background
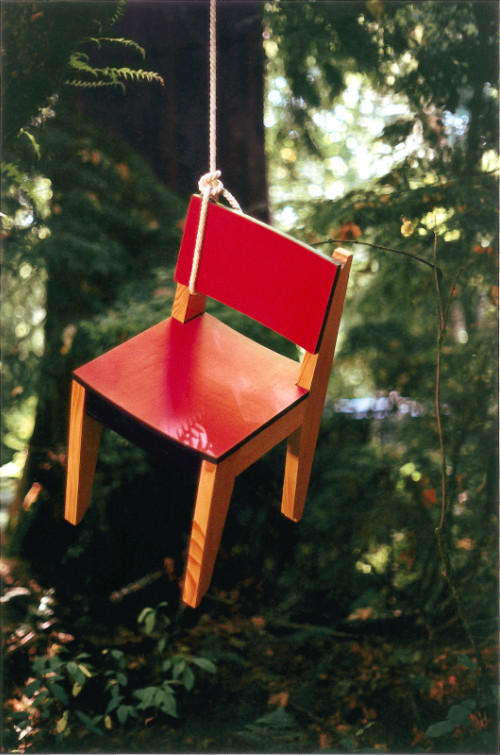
{"x": 371, "y": 626}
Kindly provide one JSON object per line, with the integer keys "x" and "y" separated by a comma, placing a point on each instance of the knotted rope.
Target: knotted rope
{"x": 210, "y": 185}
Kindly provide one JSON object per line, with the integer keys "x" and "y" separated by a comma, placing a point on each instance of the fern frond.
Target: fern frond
{"x": 134, "y": 74}
{"x": 115, "y": 76}
{"x": 119, "y": 12}
{"x": 94, "y": 84}
{"x": 11, "y": 172}
{"x": 129, "y": 43}
{"x": 80, "y": 62}
{"x": 32, "y": 140}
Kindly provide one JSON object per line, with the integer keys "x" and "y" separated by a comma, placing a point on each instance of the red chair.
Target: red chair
{"x": 193, "y": 383}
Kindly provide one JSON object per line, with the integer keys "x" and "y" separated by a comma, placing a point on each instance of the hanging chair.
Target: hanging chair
{"x": 194, "y": 384}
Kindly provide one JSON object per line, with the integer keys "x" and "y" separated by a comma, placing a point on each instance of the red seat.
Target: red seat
{"x": 193, "y": 383}
{"x": 200, "y": 384}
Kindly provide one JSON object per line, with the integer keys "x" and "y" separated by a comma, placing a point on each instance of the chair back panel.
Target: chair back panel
{"x": 260, "y": 272}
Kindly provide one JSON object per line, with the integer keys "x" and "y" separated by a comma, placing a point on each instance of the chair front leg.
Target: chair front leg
{"x": 215, "y": 486}
{"x": 299, "y": 459}
{"x": 83, "y": 445}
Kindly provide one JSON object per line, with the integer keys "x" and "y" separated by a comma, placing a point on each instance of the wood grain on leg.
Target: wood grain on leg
{"x": 299, "y": 459}
{"x": 215, "y": 486}
{"x": 187, "y": 305}
{"x": 83, "y": 444}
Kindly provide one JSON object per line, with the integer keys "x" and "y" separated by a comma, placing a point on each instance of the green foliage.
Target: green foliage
{"x": 67, "y": 690}
{"x": 430, "y": 168}
{"x": 38, "y": 55}
{"x": 465, "y": 715}
{"x": 106, "y": 208}
{"x": 108, "y": 76}
{"x": 458, "y": 715}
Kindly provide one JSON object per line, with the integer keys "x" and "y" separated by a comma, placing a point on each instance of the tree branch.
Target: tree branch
{"x": 432, "y": 265}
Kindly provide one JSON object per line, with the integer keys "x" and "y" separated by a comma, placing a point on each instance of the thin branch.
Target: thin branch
{"x": 432, "y": 265}
{"x": 443, "y": 552}
{"x": 437, "y": 389}
{"x": 452, "y": 291}
{"x": 441, "y": 323}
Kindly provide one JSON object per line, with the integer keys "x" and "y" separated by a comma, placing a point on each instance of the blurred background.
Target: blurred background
{"x": 371, "y": 625}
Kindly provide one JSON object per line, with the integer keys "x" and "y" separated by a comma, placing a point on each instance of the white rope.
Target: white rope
{"x": 209, "y": 184}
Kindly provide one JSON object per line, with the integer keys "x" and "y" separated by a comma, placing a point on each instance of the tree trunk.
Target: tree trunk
{"x": 169, "y": 125}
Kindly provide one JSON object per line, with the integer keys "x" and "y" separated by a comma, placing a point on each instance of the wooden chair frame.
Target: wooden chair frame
{"x": 300, "y": 425}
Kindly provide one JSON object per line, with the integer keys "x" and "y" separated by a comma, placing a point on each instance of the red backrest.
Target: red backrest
{"x": 249, "y": 266}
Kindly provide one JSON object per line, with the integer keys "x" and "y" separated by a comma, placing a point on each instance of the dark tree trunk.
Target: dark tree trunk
{"x": 169, "y": 125}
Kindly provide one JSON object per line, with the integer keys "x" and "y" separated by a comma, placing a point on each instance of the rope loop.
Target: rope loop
{"x": 210, "y": 182}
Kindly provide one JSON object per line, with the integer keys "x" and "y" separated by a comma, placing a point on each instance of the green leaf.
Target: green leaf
{"x": 122, "y": 713}
{"x": 32, "y": 687}
{"x": 122, "y": 679}
{"x": 114, "y": 703}
{"x": 459, "y": 714}
{"x": 55, "y": 663}
{"x": 161, "y": 644}
{"x": 76, "y": 673}
{"x": 85, "y": 670}
{"x": 147, "y": 617}
{"x": 466, "y": 661}
{"x": 168, "y": 705}
{"x": 90, "y": 723}
{"x": 142, "y": 616}
{"x": 188, "y": 678}
{"x": 205, "y": 664}
{"x": 146, "y": 695}
{"x": 40, "y": 699}
{"x": 57, "y": 691}
{"x": 62, "y": 722}
{"x": 38, "y": 665}
{"x": 440, "y": 728}
{"x": 179, "y": 666}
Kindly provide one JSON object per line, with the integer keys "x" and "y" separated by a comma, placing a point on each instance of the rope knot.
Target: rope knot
{"x": 210, "y": 183}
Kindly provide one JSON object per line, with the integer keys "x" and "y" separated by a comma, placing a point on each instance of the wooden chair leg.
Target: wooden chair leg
{"x": 83, "y": 444}
{"x": 299, "y": 458}
{"x": 215, "y": 486}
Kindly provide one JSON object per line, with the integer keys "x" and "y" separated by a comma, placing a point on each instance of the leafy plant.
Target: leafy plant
{"x": 468, "y": 713}
{"x": 58, "y": 678}
{"x": 166, "y": 676}
{"x": 56, "y": 696}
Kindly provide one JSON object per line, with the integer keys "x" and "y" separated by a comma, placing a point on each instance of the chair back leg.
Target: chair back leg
{"x": 215, "y": 485}
{"x": 83, "y": 445}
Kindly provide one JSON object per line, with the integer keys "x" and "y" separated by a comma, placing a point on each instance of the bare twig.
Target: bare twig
{"x": 442, "y": 320}
{"x": 435, "y": 267}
